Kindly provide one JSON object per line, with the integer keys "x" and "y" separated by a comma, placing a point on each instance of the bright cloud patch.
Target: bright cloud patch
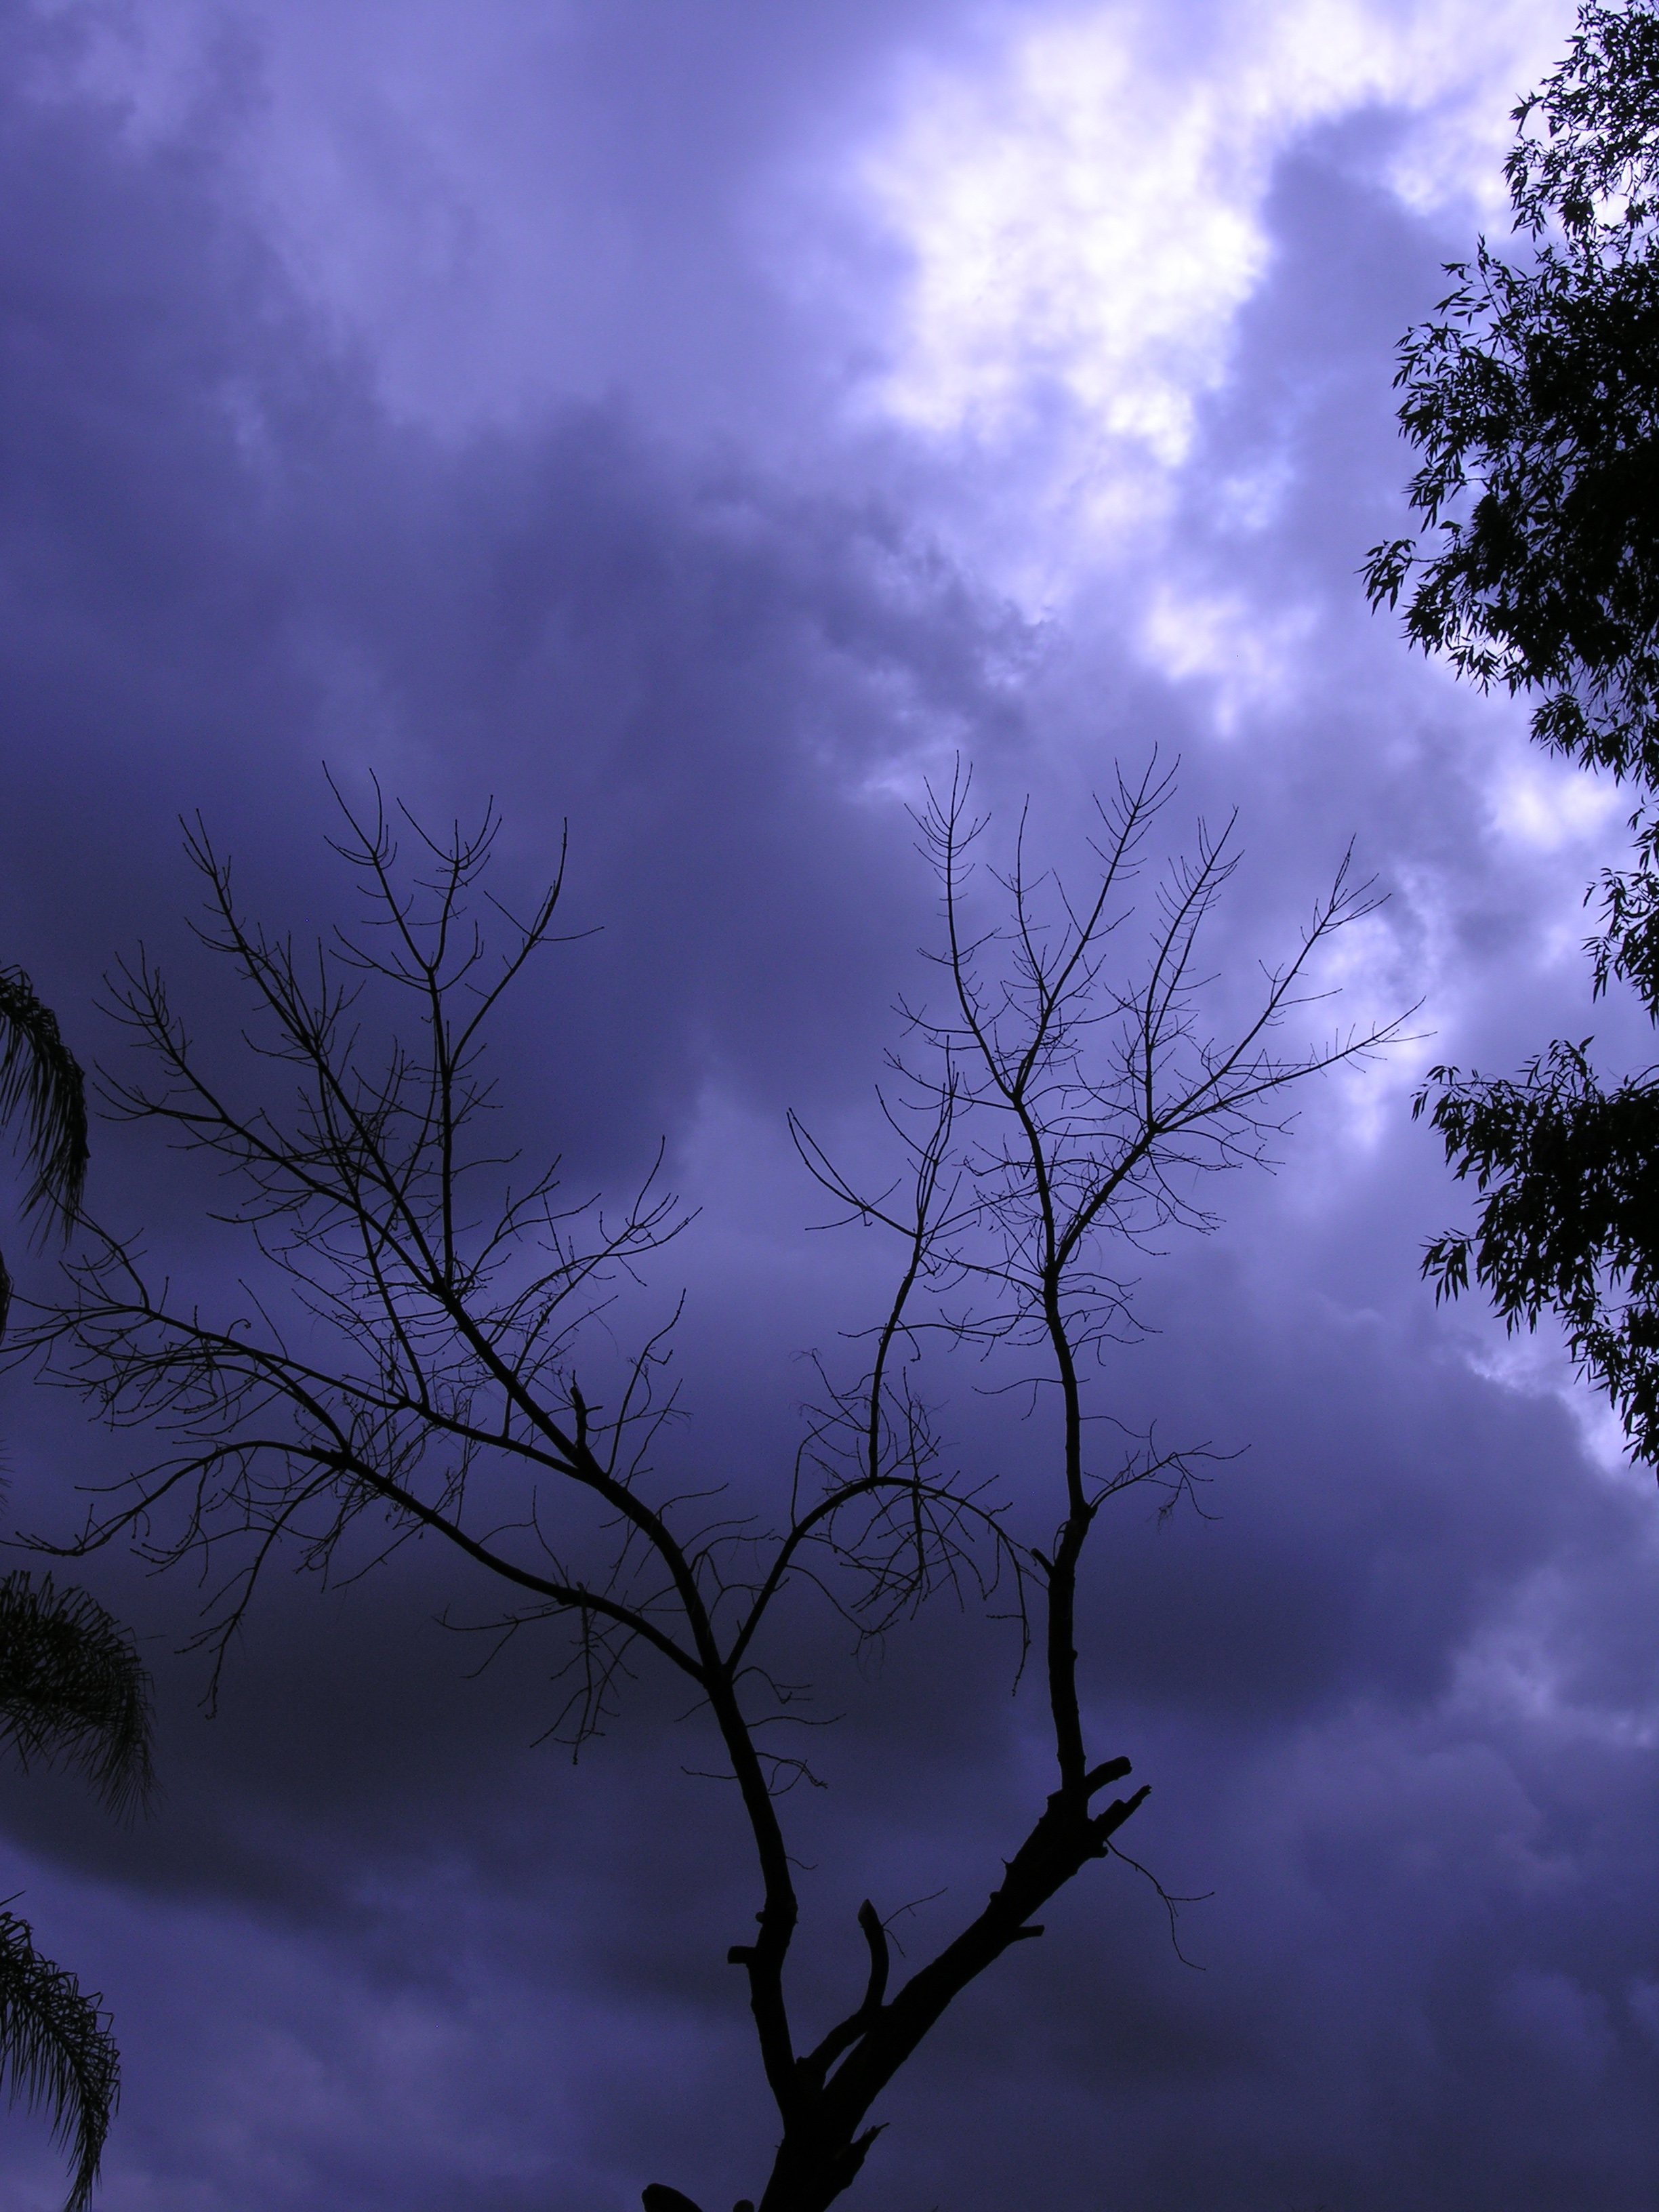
{"x": 1546, "y": 805}
{"x": 1086, "y": 221}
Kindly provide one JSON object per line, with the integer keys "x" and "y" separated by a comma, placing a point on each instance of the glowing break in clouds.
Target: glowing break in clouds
{"x": 1085, "y": 220}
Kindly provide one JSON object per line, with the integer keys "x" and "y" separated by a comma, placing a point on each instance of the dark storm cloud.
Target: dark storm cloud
{"x": 226, "y": 566}
{"x": 375, "y": 1948}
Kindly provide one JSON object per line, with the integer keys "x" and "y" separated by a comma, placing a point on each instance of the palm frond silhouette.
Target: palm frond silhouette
{"x": 73, "y": 1691}
{"x": 56, "y": 2051}
{"x": 39, "y": 1074}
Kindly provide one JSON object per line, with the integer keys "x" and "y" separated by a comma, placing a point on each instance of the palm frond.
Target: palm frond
{"x": 73, "y": 1689}
{"x": 40, "y": 1074}
{"x": 56, "y": 2050}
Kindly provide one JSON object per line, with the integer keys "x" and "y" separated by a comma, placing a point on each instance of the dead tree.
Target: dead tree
{"x": 417, "y": 1354}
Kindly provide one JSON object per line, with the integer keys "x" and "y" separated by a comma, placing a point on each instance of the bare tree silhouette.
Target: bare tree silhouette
{"x": 421, "y": 1344}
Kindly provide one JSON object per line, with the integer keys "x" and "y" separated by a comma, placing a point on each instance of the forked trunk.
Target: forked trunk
{"x": 812, "y": 2169}
{"x": 825, "y": 2142}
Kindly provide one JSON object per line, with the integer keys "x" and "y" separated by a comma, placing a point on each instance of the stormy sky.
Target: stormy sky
{"x": 703, "y": 423}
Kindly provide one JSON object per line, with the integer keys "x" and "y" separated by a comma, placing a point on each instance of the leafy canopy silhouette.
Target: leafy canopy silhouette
{"x": 1533, "y": 398}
